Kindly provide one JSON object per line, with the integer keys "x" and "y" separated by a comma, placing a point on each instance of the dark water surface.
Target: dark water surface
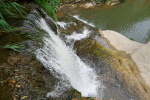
{"x": 131, "y": 18}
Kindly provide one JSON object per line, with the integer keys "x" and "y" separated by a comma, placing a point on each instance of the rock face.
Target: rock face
{"x": 116, "y": 68}
{"x": 23, "y": 76}
{"x": 26, "y": 77}
{"x": 142, "y": 59}
{"x": 120, "y": 42}
{"x": 139, "y": 53}
{"x": 87, "y": 5}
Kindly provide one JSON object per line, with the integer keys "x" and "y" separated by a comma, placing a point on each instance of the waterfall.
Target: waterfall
{"x": 65, "y": 65}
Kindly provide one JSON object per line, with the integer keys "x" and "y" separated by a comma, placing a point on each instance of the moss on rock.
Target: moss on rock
{"x": 90, "y": 47}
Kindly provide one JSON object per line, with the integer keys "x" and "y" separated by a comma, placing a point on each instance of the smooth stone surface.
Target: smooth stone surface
{"x": 142, "y": 59}
{"x": 87, "y": 5}
{"x": 140, "y": 53}
{"x": 120, "y": 42}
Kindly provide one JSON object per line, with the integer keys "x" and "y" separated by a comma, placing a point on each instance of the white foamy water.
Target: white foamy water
{"x": 65, "y": 65}
{"x": 78, "y": 36}
{"x": 78, "y": 18}
{"x": 62, "y": 24}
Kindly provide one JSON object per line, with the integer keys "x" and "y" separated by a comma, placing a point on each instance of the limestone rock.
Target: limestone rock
{"x": 142, "y": 59}
{"x": 120, "y": 42}
{"x": 140, "y": 54}
{"x": 87, "y": 5}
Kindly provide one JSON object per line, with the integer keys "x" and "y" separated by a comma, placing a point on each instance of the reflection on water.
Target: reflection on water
{"x": 131, "y": 18}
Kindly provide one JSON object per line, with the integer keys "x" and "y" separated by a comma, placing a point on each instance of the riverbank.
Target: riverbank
{"x": 89, "y": 3}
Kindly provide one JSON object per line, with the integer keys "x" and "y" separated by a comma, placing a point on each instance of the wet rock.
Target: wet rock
{"x": 72, "y": 24}
{"x": 91, "y": 48}
{"x": 49, "y": 20}
{"x": 133, "y": 73}
{"x": 27, "y": 76}
{"x": 87, "y": 5}
{"x": 110, "y": 65}
{"x": 113, "y": 2}
{"x": 117, "y": 69}
{"x": 84, "y": 98}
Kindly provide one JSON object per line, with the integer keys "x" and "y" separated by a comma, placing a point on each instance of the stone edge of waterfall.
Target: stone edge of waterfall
{"x": 139, "y": 53}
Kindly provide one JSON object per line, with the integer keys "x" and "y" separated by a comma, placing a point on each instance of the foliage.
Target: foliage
{"x": 110, "y": 1}
{"x": 132, "y": 39}
{"x": 14, "y": 47}
{"x": 50, "y": 6}
{"x": 4, "y": 25}
{"x": 11, "y": 9}
{"x": 102, "y": 1}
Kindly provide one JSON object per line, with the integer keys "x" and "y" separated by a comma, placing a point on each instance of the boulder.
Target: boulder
{"x": 120, "y": 42}
{"x": 142, "y": 59}
{"x": 139, "y": 54}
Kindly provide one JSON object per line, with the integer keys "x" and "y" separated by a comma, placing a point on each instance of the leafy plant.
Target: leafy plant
{"x": 50, "y": 6}
{"x": 4, "y": 25}
{"x": 110, "y": 1}
{"x": 14, "y": 47}
{"x": 132, "y": 39}
{"x": 11, "y": 9}
{"x": 102, "y": 1}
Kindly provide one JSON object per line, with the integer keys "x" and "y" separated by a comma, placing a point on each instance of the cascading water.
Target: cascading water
{"x": 65, "y": 65}
{"x": 84, "y": 21}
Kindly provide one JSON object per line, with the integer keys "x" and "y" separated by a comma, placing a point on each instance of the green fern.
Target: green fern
{"x": 14, "y": 47}
{"x": 10, "y": 9}
{"x": 4, "y": 25}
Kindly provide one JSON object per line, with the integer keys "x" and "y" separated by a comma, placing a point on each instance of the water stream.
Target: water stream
{"x": 65, "y": 65}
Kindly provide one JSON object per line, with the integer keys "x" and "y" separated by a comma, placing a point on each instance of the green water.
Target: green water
{"x": 131, "y": 18}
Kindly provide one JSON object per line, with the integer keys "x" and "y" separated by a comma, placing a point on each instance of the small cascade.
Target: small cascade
{"x": 65, "y": 65}
{"x": 84, "y": 21}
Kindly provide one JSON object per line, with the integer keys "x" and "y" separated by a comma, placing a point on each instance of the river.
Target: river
{"x": 130, "y": 18}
